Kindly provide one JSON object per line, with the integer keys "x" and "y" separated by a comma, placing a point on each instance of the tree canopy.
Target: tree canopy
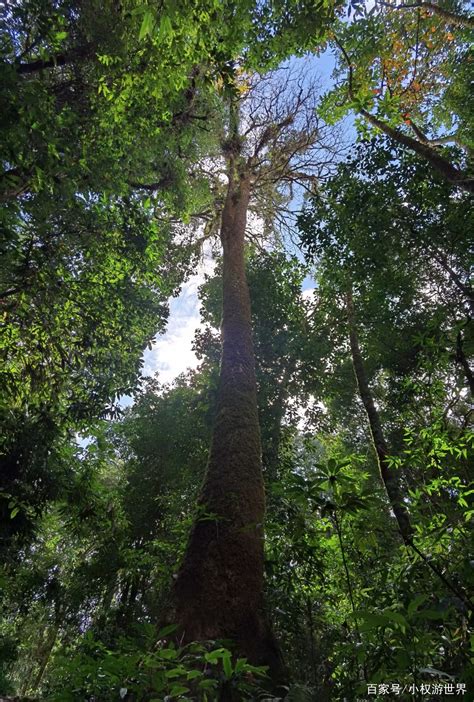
{"x": 292, "y": 518}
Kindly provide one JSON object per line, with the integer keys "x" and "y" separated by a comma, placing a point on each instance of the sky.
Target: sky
{"x": 172, "y": 353}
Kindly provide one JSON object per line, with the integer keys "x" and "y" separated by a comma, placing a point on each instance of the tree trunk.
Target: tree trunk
{"x": 464, "y": 363}
{"x": 46, "y": 655}
{"x": 218, "y": 592}
{"x": 456, "y": 279}
{"x": 387, "y": 474}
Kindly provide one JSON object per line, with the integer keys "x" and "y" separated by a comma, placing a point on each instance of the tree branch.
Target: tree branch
{"x": 57, "y": 60}
{"x": 422, "y": 148}
{"x": 439, "y": 162}
{"x": 458, "y": 19}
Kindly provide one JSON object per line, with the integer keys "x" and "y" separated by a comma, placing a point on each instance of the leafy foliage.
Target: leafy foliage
{"x": 113, "y": 120}
{"x": 193, "y": 672}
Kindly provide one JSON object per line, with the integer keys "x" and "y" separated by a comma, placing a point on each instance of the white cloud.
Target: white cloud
{"x": 308, "y": 294}
{"x": 172, "y": 352}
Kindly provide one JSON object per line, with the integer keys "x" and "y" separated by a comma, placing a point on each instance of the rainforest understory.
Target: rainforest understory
{"x": 237, "y": 351}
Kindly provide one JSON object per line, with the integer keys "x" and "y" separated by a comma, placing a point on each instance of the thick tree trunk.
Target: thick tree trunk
{"x": 387, "y": 474}
{"x": 219, "y": 588}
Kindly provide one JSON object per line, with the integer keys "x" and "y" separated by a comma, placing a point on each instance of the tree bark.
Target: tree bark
{"x": 218, "y": 592}
{"x": 46, "y": 654}
{"x": 464, "y": 363}
{"x": 389, "y": 478}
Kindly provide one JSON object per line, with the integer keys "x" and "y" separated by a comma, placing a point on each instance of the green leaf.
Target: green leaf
{"x": 370, "y": 620}
{"x": 147, "y": 25}
{"x": 227, "y": 666}
{"x": 240, "y": 665}
{"x": 166, "y": 630}
{"x": 158, "y": 681}
{"x": 166, "y": 28}
{"x": 175, "y": 672}
{"x": 178, "y": 690}
{"x": 168, "y": 654}
{"x": 397, "y": 618}
{"x": 415, "y": 603}
{"x": 207, "y": 684}
{"x": 215, "y": 656}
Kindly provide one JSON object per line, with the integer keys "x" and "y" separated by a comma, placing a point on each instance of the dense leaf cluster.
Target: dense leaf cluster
{"x": 113, "y": 128}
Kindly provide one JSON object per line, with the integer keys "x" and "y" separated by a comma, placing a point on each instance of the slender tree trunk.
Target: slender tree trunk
{"x": 464, "y": 363}
{"x": 272, "y": 441}
{"x": 388, "y": 477}
{"x": 312, "y": 649}
{"x": 79, "y": 52}
{"x": 46, "y": 655}
{"x": 456, "y": 279}
{"x": 387, "y": 474}
{"x": 218, "y": 592}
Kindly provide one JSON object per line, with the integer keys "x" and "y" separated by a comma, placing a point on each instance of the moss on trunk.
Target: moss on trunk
{"x": 218, "y": 592}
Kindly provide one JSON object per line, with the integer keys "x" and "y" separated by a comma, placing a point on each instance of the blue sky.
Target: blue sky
{"x": 172, "y": 353}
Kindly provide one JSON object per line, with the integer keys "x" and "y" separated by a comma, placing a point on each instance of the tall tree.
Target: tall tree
{"x": 402, "y": 304}
{"x": 120, "y": 101}
{"x": 269, "y": 142}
